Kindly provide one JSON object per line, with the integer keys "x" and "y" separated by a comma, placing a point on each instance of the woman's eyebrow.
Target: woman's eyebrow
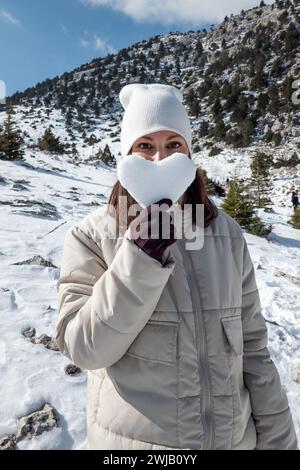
{"x": 169, "y": 138}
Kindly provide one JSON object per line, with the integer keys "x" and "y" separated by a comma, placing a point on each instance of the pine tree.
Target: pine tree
{"x": 274, "y": 103}
{"x": 226, "y": 89}
{"x": 69, "y": 117}
{"x": 291, "y": 38}
{"x": 240, "y": 206}
{"x": 247, "y": 129}
{"x": 195, "y": 108}
{"x": 277, "y": 66}
{"x": 49, "y": 143}
{"x": 74, "y": 150}
{"x": 217, "y": 107}
{"x": 268, "y": 136}
{"x": 240, "y": 111}
{"x": 287, "y": 92}
{"x": 262, "y": 101}
{"x": 199, "y": 47}
{"x": 219, "y": 131}
{"x": 106, "y": 156}
{"x": 203, "y": 129}
{"x": 295, "y": 219}
{"x": 177, "y": 65}
{"x": 260, "y": 178}
{"x": 11, "y": 140}
{"x": 276, "y": 138}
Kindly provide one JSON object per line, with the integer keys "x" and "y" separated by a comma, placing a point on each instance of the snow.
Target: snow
{"x": 34, "y": 374}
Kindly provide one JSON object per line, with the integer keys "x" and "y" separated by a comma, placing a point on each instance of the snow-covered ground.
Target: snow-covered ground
{"x": 32, "y": 374}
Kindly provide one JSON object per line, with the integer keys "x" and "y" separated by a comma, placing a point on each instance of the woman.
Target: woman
{"x": 295, "y": 200}
{"x": 173, "y": 339}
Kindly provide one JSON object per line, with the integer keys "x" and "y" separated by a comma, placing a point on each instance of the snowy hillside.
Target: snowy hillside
{"x": 31, "y": 373}
{"x": 237, "y": 81}
{"x": 34, "y": 374}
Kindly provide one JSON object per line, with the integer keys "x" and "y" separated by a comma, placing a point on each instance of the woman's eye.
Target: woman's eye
{"x": 144, "y": 144}
{"x": 148, "y": 148}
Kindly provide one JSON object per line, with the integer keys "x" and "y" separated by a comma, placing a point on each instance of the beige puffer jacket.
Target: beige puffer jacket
{"x": 177, "y": 353}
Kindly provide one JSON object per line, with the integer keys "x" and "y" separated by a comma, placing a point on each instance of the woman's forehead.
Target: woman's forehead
{"x": 160, "y": 134}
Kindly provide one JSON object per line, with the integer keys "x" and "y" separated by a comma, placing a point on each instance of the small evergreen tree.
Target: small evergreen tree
{"x": 262, "y": 101}
{"x": 247, "y": 129}
{"x": 268, "y": 136}
{"x": 214, "y": 151}
{"x": 295, "y": 219}
{"x": 49, "y": 143}
{"x": 11, "y": 140}
{"x": 199, "y": 47}
{"x": 219, "y": 131}
{"x": 274, "y": 101}
{"x": 203, "y": 129}
{"x": 195, "y": 108}
{"x": 69, "y": 118}
{"x": 276, "y": 138}
{"x": 106, "y": 156}
{"x": 260, "y": 178}
{"x": 240, "y": 206}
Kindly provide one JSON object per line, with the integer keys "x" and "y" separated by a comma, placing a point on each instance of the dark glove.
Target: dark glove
{"x": 150, "y": 226}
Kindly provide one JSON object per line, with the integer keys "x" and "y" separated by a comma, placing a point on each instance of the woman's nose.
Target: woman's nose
{"x": 159, "y": 155}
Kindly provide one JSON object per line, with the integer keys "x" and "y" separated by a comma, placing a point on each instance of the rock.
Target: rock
{"x": 71, "y": 369}
{"x": 8, "y": 442}
{"x": 53, "y": 345}
{"x": 3, "y": 180}
{"x": 50, "y": 308}
{"x": 39, "y": 208}
{"x": 4, "y": 289}
{"x": 37, "y": 259}
{"x": 19, "y": 187}
{"x": 259, "y": 266}
{"x": 294, "y": 279}
{"x": 22, "y": 181}
{"x": 41, "y": 420}
{"x": 43, "y": 339}
{"x": 29, "y": 333}
{"x": 47, "y": 341}
{"x": 278, "y": 273}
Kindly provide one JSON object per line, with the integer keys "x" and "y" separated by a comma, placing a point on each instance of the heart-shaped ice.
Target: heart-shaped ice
{"x": 149, "y": 181}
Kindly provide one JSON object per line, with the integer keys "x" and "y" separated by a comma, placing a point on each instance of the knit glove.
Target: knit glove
{"x": 150, "y": 227}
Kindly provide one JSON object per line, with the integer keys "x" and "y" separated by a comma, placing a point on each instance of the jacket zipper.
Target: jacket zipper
{"x": 206, "y": 406}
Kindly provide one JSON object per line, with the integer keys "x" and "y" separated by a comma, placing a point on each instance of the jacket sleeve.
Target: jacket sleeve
{"x": 270, "y": 408}
{"x": 102, "y": 309}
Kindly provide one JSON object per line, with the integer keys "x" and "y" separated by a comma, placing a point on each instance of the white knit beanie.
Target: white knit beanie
{"x": 150, "y": 108}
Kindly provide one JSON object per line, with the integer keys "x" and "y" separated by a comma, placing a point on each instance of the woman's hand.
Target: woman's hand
{"x": 152, "y": 230}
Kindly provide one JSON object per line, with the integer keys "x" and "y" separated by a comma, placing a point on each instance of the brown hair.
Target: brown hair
{"x": 196, "y": 193}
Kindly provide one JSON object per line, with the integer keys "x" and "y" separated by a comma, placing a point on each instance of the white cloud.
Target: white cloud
{"x": 177, "y": 11}
{"x": 100, "y": 44}
{"x": 64, "y": 30}
{"x": 97, "y": 43}
{"x": 8, "y": 17}
{"x": 84, "y": 42}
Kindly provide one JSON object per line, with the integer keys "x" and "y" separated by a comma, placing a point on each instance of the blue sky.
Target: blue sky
{"x": 40, "y": 39}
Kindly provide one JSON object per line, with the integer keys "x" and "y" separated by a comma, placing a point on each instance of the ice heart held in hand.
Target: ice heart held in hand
{"x": 149, "y": 181}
